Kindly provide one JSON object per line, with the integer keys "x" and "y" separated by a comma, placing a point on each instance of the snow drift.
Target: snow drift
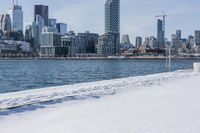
{"x": 160, "y": 103}
{"x": 86, "y": 90}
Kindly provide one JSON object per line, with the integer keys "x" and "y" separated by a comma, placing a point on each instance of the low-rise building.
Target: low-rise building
{"x": 51, "y": 45}
{"x": 138, "y": 42}
{"x": 153, "y": 43}
{"x": 71, "y": 41}
{"x": 88, "y": 42}
{"x": 106, "y": 45}
{"x": 125, "y": 44}
{"x": 14, "y": 46}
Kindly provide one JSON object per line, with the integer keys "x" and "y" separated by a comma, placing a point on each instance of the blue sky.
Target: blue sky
{"x": 137, "y": 16}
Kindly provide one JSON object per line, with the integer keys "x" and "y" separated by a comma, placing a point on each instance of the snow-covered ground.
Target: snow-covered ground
{"x": 159, "y": 103}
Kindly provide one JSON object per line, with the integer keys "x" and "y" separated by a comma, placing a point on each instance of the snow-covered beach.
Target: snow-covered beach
{"x": 159, "y": 103}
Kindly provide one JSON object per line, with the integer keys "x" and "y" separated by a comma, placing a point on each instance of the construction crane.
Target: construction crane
{"x": 163, "y": 24}
{"x": 168, "y": 48}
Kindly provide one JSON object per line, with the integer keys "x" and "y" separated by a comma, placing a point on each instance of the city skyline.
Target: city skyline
{"x": 89, "y": 15}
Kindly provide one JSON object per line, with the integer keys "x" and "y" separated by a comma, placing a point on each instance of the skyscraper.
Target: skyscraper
{"x": 112, "y": 16}
{"x": 5, "y": 22}
{"x": 16, "y": 15}
{"x": 112, "y": 22}
{"x": 43, "y": 11}
{"x": 160, "y": 34}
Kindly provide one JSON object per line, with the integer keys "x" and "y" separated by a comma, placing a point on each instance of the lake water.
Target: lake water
{"x": 17, "y": 75}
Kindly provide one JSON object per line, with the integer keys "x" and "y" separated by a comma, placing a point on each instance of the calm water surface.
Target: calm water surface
{"x": 16, "y": 75}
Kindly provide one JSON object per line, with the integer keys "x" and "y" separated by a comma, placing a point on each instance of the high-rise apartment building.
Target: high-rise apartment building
{"x": 112, "y": 16}
{"x": 160, "y": 33}
{"x": 112, "y": 22}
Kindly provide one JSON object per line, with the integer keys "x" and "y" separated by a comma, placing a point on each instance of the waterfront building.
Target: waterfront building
{"x": 71, "y": 42}
{"x": 112, "y": 23}
{"x": 43, "y": 11}
{"x": 197, "y": 37}
{"x": 61, "y": 28}
{"x": 16, "y": 15}
{"x": 5, "y": 22}
{"x": 89, "y": 42}
{"x": 51, "y": 45}
{"x": 7, "y": 47}
{"x": 138, "y": 42}
{"x": 14, "y": 46}
{"x": 160, "y": 34}
{"x": 106, "y": 44}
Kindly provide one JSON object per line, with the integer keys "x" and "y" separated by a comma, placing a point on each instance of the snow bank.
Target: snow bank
{"x": 161, "y": 103}
{"x": 85, "y": 90}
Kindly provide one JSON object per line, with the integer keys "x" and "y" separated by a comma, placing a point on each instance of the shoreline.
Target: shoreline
{"x": 102, "y": 58}
{"x": 83, "y": 90}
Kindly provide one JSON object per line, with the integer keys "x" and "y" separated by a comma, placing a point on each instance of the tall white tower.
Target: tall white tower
{"x": 16, "y": 15}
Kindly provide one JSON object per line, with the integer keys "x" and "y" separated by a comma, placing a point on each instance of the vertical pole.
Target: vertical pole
{"x": 169, "y": 58}
{"x": 166, "y": 65}
{"x": 163, "y": 29}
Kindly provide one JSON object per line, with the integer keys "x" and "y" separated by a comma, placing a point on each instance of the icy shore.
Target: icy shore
{"x": 159, "y": 103}
{"x": 85, "y": 90}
